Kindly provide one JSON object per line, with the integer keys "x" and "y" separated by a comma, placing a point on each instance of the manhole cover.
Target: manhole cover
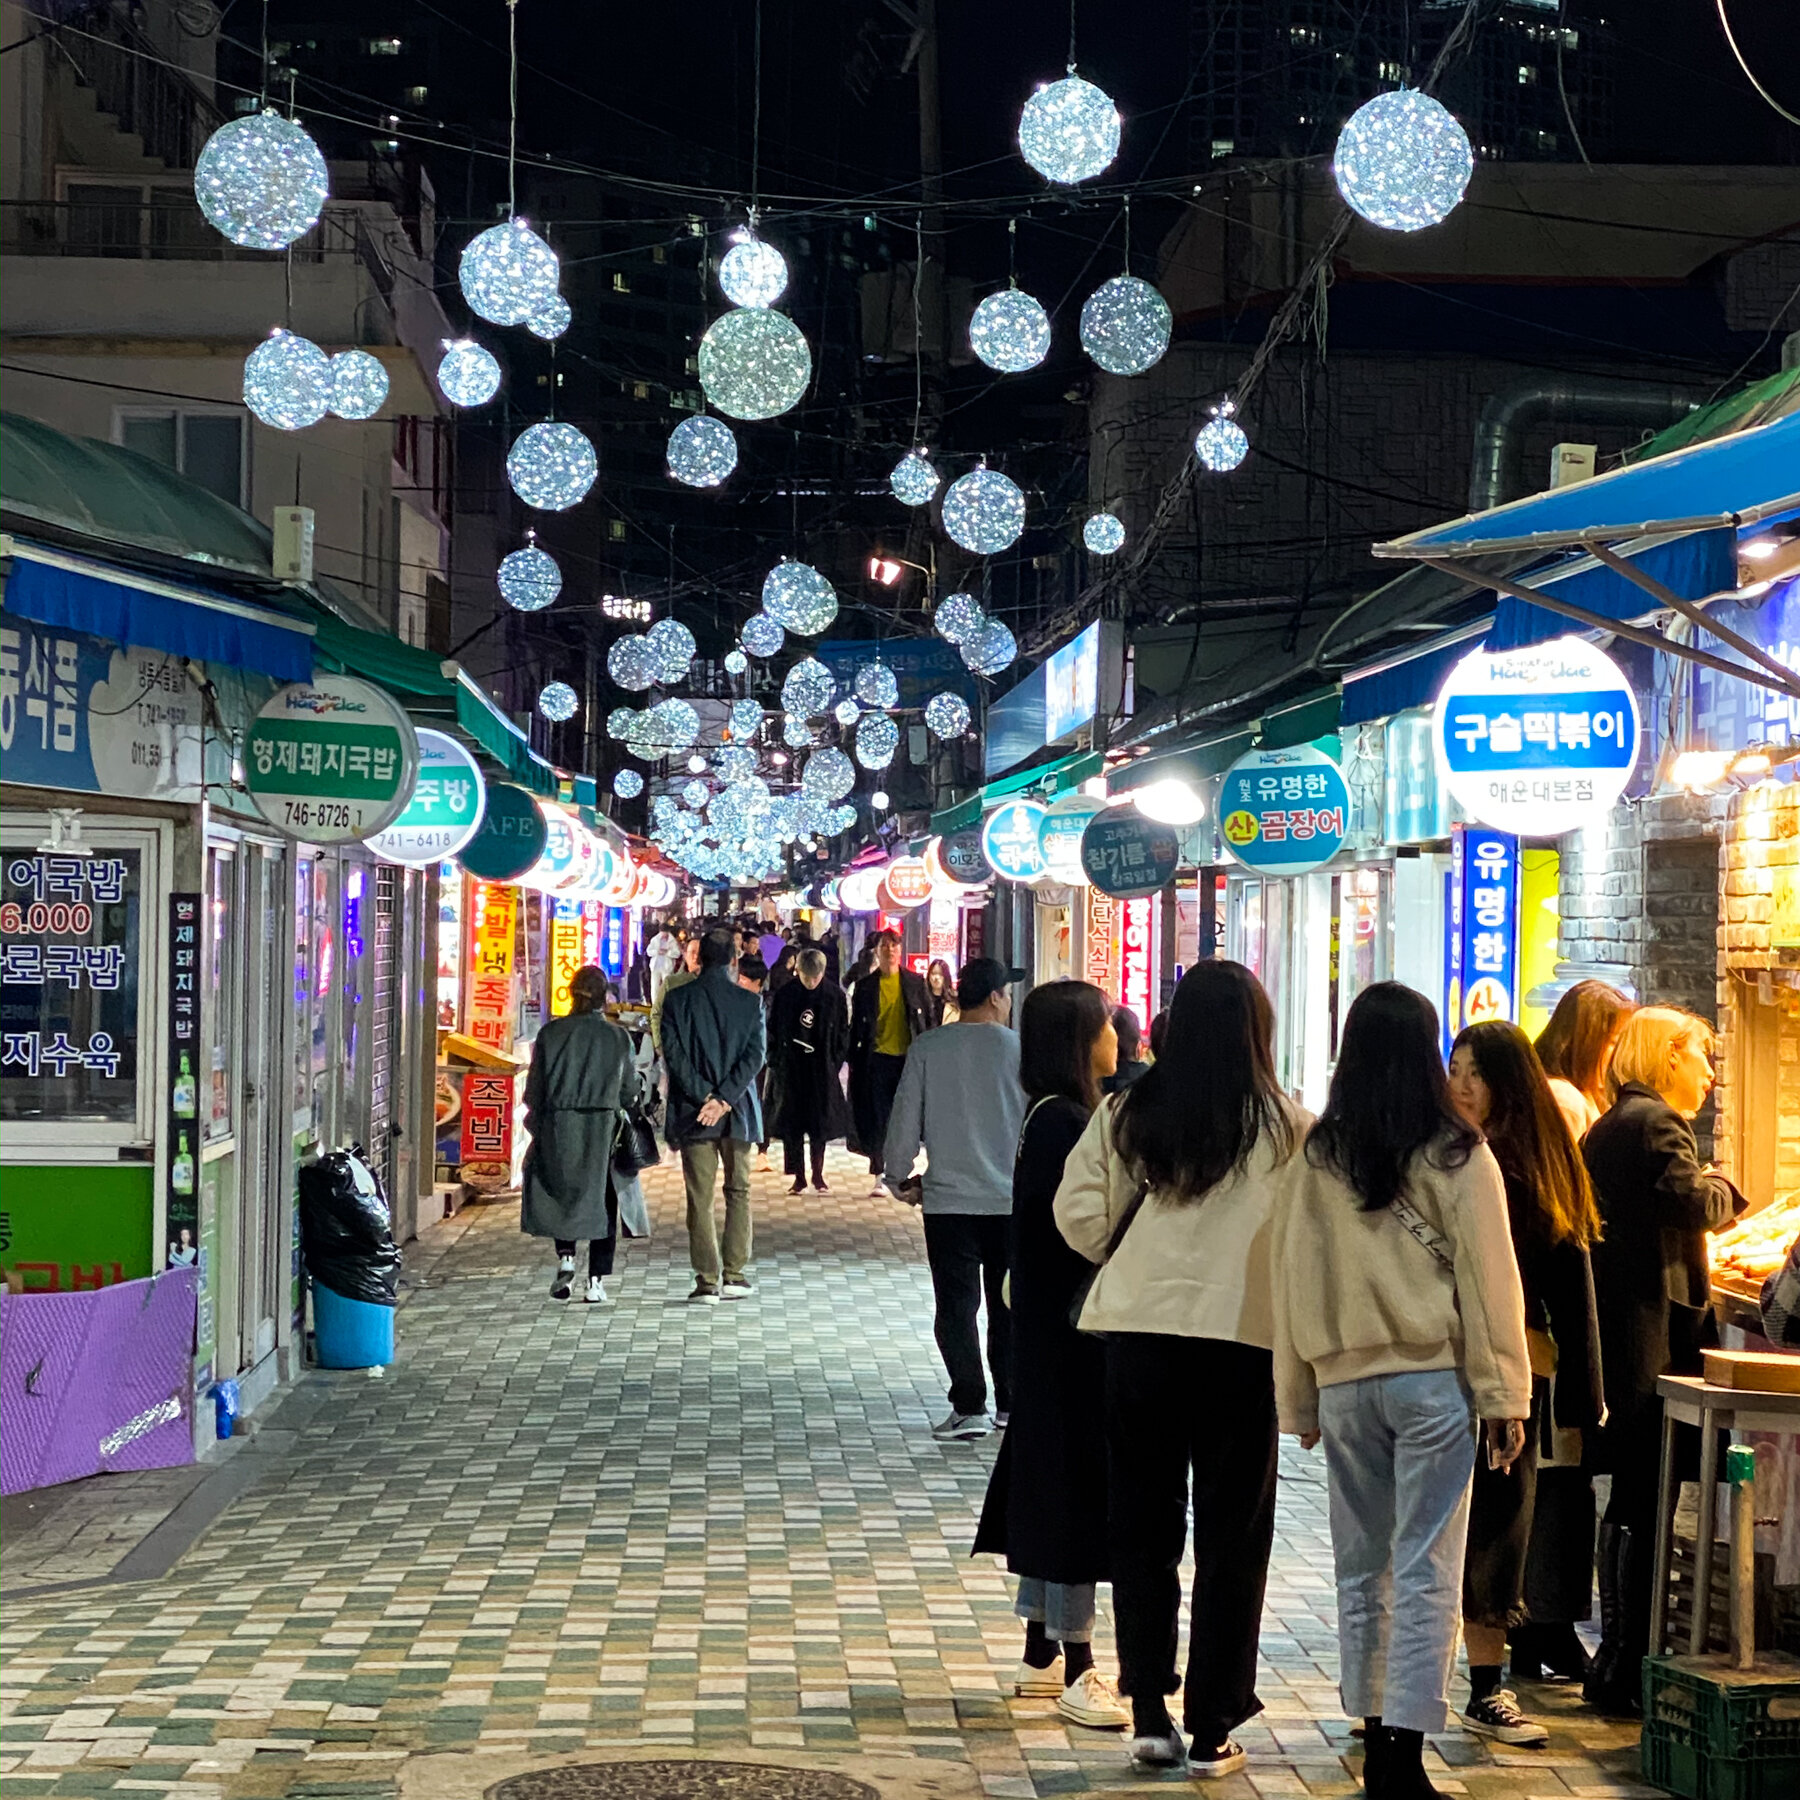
{"x": 680, "y": 1781}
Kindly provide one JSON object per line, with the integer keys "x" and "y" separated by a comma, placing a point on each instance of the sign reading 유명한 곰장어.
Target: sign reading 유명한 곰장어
{"x": 1284, "y": 812}
{"x": 331, "y": 760}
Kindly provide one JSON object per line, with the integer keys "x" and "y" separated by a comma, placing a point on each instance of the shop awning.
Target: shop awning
{"x": 1200, "y": 757}
{"x": 54, "y": 588}
{"x": 1413, "y": 679}
{"x": 1051, "y": 778}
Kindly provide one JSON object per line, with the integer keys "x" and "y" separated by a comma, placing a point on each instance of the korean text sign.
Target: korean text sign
{"x": 1127, "y": 855}
{"x": 331, "y": 760}
{"x": 1484, "y": 927}
{"x": 1284, "y": 812}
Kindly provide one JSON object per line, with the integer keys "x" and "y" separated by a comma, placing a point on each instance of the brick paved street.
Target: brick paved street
{"x": 571, "y": 1532}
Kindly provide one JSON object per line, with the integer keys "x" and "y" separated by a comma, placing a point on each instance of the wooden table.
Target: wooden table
{"x": 1688, "y": 1400}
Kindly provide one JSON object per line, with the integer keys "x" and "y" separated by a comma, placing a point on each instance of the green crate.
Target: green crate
{"x": 1711, "y": 1733}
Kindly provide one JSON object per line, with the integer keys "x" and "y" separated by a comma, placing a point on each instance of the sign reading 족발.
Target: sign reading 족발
{"x": 445, "y": 811}
{"x": 1284, "y": 812}
{"x": 331, "y": 759}
{"x": 1127, "y": 855}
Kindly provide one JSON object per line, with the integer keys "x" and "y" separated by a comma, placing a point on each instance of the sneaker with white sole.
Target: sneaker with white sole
{"x": 960, "y": 1426}
{"x": 740, "y": 1288}
{"x": 564, "y": 1278}
{"x": 1499, "y": 1717}
{"x": 1159, "y": 1750}
{"x": 1213, "y": 1765}
{"x": 596, "y": 1291}
{"x": 1039, "y": 1684}
{"x": 1089, "y": 1700}
{"x": 704, "y": 1294}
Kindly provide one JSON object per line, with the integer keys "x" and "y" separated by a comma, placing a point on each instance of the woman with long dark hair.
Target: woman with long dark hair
{"x": 1499, "y": 1087}
{"x": 1046, "y": 1503}
{"x": 940, "y": 993}
{"x": 1399, "y": 1321}
{"x": 1170, "y": 1190}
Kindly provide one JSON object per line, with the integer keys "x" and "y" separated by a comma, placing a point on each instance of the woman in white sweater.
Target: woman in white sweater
{"x": 1399, "y": 1321}
{"x": 1170, "y": 1189}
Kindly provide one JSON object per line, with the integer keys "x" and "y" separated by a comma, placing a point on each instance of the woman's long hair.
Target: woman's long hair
{"x": 1057, "y": 1027}
{"x": 1530, "y": 1139}
{"x": 1389, "y": 1098}
{"x": 1577, "y": 1044}
{"x": 1196, "y": 1114}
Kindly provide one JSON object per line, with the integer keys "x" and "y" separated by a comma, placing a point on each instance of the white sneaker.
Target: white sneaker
{"x": 596, "y": 1291}
{"x": 704, "y": 1294}
{"x": 741, "y": 1289}
{"x": 960, "y": 1426}
{"x": 1159, "y": 1752}
{"x": 563, "y": 1279}
{"x": 1039, "y": 1684}
{"x": 1089, "y": 1700}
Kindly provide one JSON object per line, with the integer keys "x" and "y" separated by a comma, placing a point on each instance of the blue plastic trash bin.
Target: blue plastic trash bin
{"x": 351, "y": 1334}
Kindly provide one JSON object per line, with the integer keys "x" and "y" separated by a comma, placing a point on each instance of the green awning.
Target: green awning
{"x": 1762, "y": 401}
{"x": 1303, "y": 722}
{"x": 1051, "y": 778}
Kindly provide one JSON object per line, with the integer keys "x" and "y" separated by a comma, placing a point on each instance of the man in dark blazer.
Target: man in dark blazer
{"x": 712, "y": 1041}
{"x": 889, "y": 1008}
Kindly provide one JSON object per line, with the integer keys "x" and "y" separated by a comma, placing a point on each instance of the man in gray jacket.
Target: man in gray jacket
{"x": 960, "y": 1099}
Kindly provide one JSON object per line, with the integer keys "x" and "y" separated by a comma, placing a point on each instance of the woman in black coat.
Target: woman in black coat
{"x": 1657, "y": 1205}
{"x": 809, "y": 1032}
{"x": 1046, "y": 1501}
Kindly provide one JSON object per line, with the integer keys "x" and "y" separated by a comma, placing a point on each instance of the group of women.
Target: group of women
{"x": 1410, "y": 1280}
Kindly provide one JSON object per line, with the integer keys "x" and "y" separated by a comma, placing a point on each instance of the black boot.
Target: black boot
{"x": 1546, "y": 1653}
{"x": 1613, "y": 1676}
{"x": 1403, "y": 1774}
{"x": 1374, "y": 1769}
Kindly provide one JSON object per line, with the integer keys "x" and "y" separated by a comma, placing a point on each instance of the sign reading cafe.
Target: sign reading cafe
{"x": 332, "y": 759}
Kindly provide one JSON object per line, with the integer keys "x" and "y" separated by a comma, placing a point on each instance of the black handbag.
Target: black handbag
{"x": 635, "y": 1149}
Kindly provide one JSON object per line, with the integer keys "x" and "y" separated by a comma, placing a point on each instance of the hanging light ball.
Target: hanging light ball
{"x": 989, "y": 650}
{"x": 754, "y": 364}
{"x": 261, "y": 181}
{"x": 696, "y": 793}
{"x": 877, "y": 738}
{"x": 529, "y": 579}
{"x": 1220, "y": 443}
{"x": 761, "y": 635}
{"x": 879, "y": 800}
{"x": 1125, "y": 325}
{"x": 746, "y": 718}
{"x": 702, "y": 451}
{"x": 735, "y": 762}
{"x": 619, "y": 721}
{"x": 468, "y": 374}
{"x": 947, "y": 714}
{"x": 984, "y": 511}
{"x": 957, "y": 616}
{"x": 359, "y": 384}
{"x": 1069, "y": 130}
{"x": 736, "y": 662}
{"x": 673, "y": 646}
{"x": 797, "y": 596}
{"x": 551, "y": 466}
{"x": 557, "y": 702}
{"x": 914, "y": 480}
{"x": 1104, "y": 534}
{"x": 752, "y": 273}
{"x": 876, "y": 686}
{"x": 846, "y": 712}
{"x": 628, "y": 784}
{"x": 631, "y": 662}
{"x": 829, "y": 774}
{"x": 1010, "y": 332}
{"x": 1402, "y": 161}
{"x": 676, "y": 722}
{"x": 550, "y": 319}
{"x": 808, "y": 688}
{"x": 796, "y": 733}
{"x": 508, "y": 273}
{"x": 287, "y": 381}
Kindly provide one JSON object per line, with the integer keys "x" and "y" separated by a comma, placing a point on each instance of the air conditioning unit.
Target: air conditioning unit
{"x": 292, "y": 552}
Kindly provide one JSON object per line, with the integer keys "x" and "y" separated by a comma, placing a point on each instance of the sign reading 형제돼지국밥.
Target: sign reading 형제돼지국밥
{"x": 1284, "y": 812}
{"x": 331, "y": 760}
{"x": 445, "y": 811}
{"x": 1127, "y": 855}
{"x": 1009, "y": 840}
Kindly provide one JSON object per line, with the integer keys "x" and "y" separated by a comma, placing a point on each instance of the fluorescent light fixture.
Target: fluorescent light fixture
{"x": 1170, "y": 801}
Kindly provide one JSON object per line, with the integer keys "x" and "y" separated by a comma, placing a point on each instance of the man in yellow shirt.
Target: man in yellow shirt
{"x": 888, "y": 1009}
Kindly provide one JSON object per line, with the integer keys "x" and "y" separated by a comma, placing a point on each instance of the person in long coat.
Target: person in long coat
{"x": 583, "y": 1074}
{"x": 809, "y": 1033}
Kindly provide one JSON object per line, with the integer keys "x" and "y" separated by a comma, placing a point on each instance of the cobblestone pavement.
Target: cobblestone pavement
{"x": 564, "y": 1531}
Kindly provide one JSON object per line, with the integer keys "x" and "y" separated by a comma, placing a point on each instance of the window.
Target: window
{"x": 1527, "y": 75}
{"x": 207, "y": 447}
{"x": 383, "y": 46}
{"x": 621, "y": 283}
{"x": 1223, "y": 146}
{"x": 640, "y": 390}
{"x": 615, "y": 530}
{"x": 659, "y": 253}
{"x": 415, "y": 96}
{"x": 105, "y": 221}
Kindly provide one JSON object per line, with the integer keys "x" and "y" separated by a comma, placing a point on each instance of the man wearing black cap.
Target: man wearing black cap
{"x": 960, "y": 1100}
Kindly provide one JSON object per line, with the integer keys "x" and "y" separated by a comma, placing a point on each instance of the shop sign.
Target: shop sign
{"x": 1009, "y": 840}
{"x": 1060, "y": 833}
{"x": 941, "y": 930}
{"x": 1138, "y": 922}
{"x": 1413, "y": 810}
{"x": 612, "y": 944}
{"x": 908, "y": 881}
{"x": 331, "y": 760}
{"x": 445, "y": 810}
{"x": 1784, "y": 908}
{"x": 512, "y": 835}
{"x": 1483, "y": 938}
{"x": 491, "y": 966}
{"x": 857, "y": 891}
{"x": 1127, "y": 854}
{"x": 1100, "y": 941}
{"x": 181, "y": 1199}
{"x": 961, "y": 858}
{"x": 1540, "y": 740}
{"x": 565, "y": 952}
{"x": 487, "y": 1122}
{"x": 1284, "y": 812}
{"x": 593, "y": 915}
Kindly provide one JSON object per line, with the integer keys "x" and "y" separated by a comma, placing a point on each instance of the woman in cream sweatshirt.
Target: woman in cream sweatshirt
{"x": 1399, "y": 1322}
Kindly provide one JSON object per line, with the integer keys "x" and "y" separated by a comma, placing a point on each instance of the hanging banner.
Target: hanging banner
{"x": 1009, "y": 840}
{"x": 1483, "y": 938}
{"x": 1100, "y": 941}
{"x": 512, "y": 835}
{"x": 1140, "y": 921}
{"x": 1284, "y": 812}
{"x": 181, "y": 1196}
{"x": 1540, "y": 740}
{"x": 1060, "y": 832}
{"x": 491, "y": 933}
{"x": 565, "y": 953}
{"x": 1128, "y": 855}
{"x": 331, "y": 760}
{"x": 445, "y": 811}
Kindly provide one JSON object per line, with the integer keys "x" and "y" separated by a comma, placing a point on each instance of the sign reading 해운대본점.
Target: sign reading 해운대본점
{"x": 331, "y": 760}
{"x": 512, "y": 836}
{"x": 1540, "y": 740}
{"x": 1284, "y": 812}
{"x": 445, "y": 811}
{"x": 1127, "y": 855}
{"x": 1009, "y": 840}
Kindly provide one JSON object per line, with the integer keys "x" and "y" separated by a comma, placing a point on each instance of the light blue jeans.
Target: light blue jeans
{"x": 1065, "y": 1608}
{"x": 1400, "y": 1451}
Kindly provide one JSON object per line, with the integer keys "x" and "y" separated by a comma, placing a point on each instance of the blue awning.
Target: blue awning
{"x": 126, "y": 608}
{"x": 1408, "y": 681}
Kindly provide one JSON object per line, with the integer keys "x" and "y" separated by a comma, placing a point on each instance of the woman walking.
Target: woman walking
{"x": 1498, "y": 1086}
{"x": 1046, "y": 1502}
{"x": 940, "y": 993}
{"x": 583, "y": 1075}
{"x": 1171, "y": 1190}
{"x": 1399, "y": 1320}
{"x": 1657, "y": 1205}
{"x": 1576, "y": 1049}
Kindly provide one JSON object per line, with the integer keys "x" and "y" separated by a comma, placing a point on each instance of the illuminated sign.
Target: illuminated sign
{"x": 1284, "y": 812}
{"x": 1072, "y": 685}
{"x": 908, "y": 881}
{"x": 857, "y": 890}
{"x": 511, "y": 838}
{"x": 1100, "y": 941}
{"x": 1060, "y": 833}
{"x": 445, "y": 811}
{"x": 331, "y": 760}
{"x": 1129, "y": 855}
{"x": 491, "y": 965}
{"x": 1483, "y": 938}
{"x": 1009, "y": 840}
{"x": 1139, "y": 920}
{"x": 565, "y": 952}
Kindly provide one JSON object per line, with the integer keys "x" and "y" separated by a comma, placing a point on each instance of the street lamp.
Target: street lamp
{"x": 887, "y": 569}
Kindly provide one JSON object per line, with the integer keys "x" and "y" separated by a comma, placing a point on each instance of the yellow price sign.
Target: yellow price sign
{"x": 1241, "y": 828}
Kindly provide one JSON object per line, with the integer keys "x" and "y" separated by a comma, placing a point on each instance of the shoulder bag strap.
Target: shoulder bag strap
{"x": 1417, "y": 1226}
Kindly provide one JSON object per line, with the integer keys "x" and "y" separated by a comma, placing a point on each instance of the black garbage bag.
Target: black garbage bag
{"x": 346, "y": 1231}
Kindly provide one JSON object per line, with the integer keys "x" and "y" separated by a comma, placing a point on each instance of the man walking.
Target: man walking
{"x": 808, "y": 1027}
{"x": 887, "y": 1012}
{"x": 960, "y": 1099}
{"x": 712, "y": 1040}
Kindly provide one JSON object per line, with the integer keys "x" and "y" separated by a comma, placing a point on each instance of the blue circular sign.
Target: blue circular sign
{"x": 1127, "y": 855}
{"x": 512, "y": 836}
{"x": 1009, "y": 840}
{"x": 1284, "y": 812}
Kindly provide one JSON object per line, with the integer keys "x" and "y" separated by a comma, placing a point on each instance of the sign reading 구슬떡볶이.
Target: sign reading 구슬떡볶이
{"x": 1284, "y": 812}
{"x": 331, "y": 760}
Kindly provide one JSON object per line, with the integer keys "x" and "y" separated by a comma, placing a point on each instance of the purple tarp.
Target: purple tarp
{"x": 97, "y": 1381}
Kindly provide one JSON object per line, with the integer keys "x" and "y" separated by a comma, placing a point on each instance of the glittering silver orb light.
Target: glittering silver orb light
{"x": 735, "y": 762}
{"x": 557, "y": 702}
{"x": 795, "y": 732}
{"x": 551, "y": 466}
{"x": 628, "y": 784}
{"x": 508, "y": 273}
{"x": 846, "y": 712}
{"x": 984, "y": 511}
{"x": 1010, "y": 332}
{"x": 957, "y": 616}
{"x": 673, "y": 646}
{"x": 877, "y": 738}
{"x": 754, "y": 364}
{"x": 468, "y": 374}
{"x": 795, "y": 595}
{"x": 1069, "y": 130}
{"x": 1220, "y": 443}
{"x": 807, "y": 688}
{"x": 676, "y": 722}
{"x": 752, "y": 273}
{"x": 1402, "y": 161}
{"x": 631, "y": 662}
{"x": 746, "y": 719}
{"x": 261, "y": 181}
{"x": 618, "y": 721}
{"x": 550, "y": 320}
{"x": 287, "y": 381}
{"x": 1104, "y": 534}
{"x": 761, "y": 635}
{"x": 876, "y": 685}
{"x": 914, "y": 479}
{"x": 829, "y": 774}
{"x": 947, "y": 714}
{"x": 736, "y": 662}
{"x": 529, "y": 579}
{"x": 1125, "y": 325}
{"x": 696, "y": 794}
{"x": 702, "y": 451}
{"x": 989, "y": 650}
{"x": 359, "y": 384}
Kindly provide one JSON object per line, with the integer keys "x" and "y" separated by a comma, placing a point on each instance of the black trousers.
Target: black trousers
{"x": 884, "y": 1084}
{"x": 1175, "y": 1403}
{"x": 967, "y": 1253}
{"x": 600, "y": 1252}
{"x": 793, "y": 1155}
